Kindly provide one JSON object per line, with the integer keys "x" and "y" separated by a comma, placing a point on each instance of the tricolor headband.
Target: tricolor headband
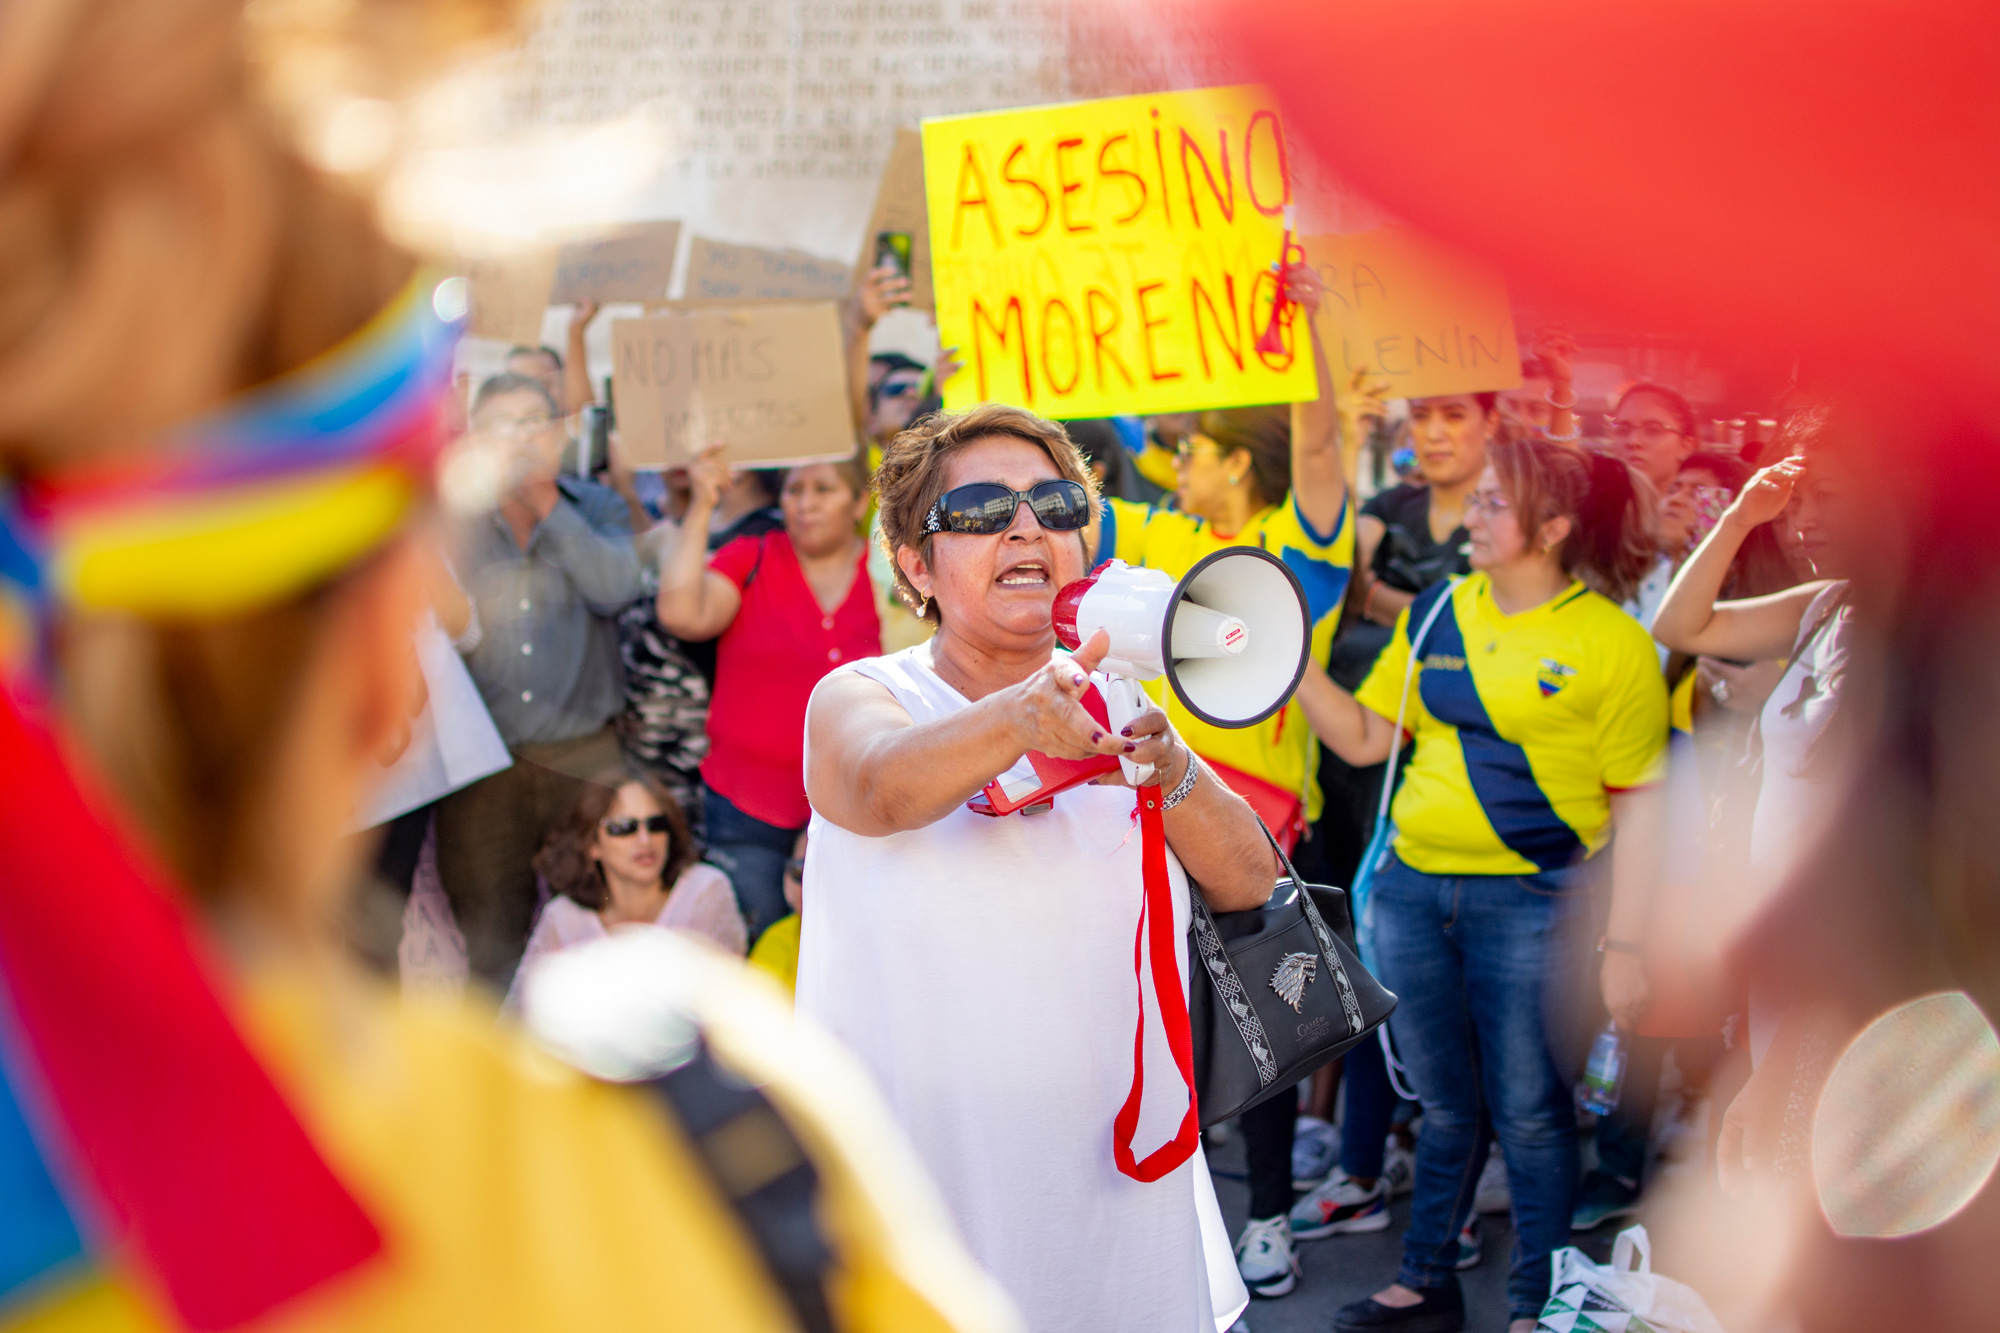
{"x": 272, "y": 494}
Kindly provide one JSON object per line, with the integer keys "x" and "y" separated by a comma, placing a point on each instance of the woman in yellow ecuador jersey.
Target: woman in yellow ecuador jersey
{"x": 1537, "y": 712}
{"x": 1256, "y": 477}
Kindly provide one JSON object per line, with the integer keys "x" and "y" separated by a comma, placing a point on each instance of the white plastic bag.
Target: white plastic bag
{"x": 1624, "y": 1296}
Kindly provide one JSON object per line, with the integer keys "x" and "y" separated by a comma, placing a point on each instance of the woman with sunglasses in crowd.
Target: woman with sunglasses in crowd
{"x": 983, "y": 967}
{"x": 624, "y": 857}
{"x": 789, "y": 606}
{"x": 1538, "y": 716}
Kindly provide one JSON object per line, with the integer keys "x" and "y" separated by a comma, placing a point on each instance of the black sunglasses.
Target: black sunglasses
{"x": 625, "y": 828}
{"x": 983, "y": 508}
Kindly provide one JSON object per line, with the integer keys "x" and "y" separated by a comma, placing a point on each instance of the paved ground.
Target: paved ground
{"x": 1346, "y": 1268}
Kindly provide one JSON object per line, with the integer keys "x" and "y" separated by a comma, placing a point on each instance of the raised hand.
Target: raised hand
{"x": 709, "y": 476}
{"x": 881, "y": 291}
{"x": 1767, "y": 493}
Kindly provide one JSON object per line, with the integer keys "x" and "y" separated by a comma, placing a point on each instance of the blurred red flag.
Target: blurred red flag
{"x": 1810, "y": 176}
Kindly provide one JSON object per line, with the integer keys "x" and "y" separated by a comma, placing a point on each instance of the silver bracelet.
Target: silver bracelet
{"x": 1550, "y": 399}
{"x": 1186, "y": 784}
{"x": 1554, "y": 438}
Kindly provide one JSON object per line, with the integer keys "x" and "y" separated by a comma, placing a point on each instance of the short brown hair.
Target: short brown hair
{"x": 1614, "y": 517}
{"x": 565, "y": 860}
{"x": 911, "y": 477}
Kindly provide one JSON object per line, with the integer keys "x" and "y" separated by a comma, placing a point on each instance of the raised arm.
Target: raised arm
{"x": 880, "y": 290}
{"x": 578, "y": 391}
{"x": 1756, "y": 629}
{"x": 1319, "y": 481}
{"x": 695, "y": 602}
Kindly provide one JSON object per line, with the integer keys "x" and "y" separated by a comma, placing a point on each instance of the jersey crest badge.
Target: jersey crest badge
{"x": 1553, "y": 676}
{"x": 1294, "y": 971}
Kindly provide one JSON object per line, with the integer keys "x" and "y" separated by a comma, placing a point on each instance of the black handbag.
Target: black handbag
{"x": 1286, "y": 993}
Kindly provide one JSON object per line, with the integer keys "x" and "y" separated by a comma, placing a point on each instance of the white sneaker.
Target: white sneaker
{"x": 1315, "y": 1152}
{"x": 1265, "y": 1258}
{"x": 1399, "y": 1168}
{"x": 1339, "y": 1206}
{"x": 1493, "y": 1196}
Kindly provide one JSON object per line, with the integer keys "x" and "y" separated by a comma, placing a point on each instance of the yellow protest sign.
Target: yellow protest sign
{"x": 1430, "y": 319}
{"x": 1114, "y": 256}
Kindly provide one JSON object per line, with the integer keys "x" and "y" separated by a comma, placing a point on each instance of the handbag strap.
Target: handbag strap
{"x": 1155, "y": 942}
{"x": 1403, "y": 704}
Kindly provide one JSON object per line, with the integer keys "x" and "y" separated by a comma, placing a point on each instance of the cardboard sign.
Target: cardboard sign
{"x": 1114, "y": 256}
{"x": 718, "y": 272}
{"x": 506, "y": 295}
{"x": 900, "y": 206}
{"x": 771, "y": 381}
{"x": 631, "y": 264}
{"x": 1426, "y": 317}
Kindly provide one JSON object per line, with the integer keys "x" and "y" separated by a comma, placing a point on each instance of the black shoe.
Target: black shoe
{"x": 1442, "y": 1310}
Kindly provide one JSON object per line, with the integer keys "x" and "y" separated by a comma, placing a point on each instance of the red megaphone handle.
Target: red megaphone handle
{"x": 1156, "y": 940}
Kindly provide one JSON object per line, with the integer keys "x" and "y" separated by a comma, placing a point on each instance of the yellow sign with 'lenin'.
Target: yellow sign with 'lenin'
{"x": 1115, "y": 256}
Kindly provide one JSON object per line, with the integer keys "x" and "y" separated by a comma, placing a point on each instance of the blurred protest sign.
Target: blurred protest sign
{"x": 769, "y": 380}
{"x": 507, "y": 294}
{"x": 900, "y": 208}
{"x": 718, "y": 272}
{"x": 633, "y": 263}
{"x": 1114, "y": 256}
{"x": 1428, "y": 318}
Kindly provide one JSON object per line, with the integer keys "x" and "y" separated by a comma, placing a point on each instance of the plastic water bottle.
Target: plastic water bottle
{"x": 1603, "y": 1073}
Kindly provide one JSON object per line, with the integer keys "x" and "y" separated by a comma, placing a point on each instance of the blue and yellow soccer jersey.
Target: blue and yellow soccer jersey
{"x": 1280, "y": 749}
{"x": 1522, "y": 725}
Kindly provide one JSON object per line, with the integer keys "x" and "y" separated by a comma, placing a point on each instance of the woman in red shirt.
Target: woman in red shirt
{"x": 789, "y": 606}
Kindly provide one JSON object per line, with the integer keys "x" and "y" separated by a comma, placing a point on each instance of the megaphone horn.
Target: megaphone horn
{"x": 1231, "y": 637}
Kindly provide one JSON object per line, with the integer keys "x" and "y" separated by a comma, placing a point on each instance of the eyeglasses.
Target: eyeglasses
{"x": 524, "y": 426}
{"x": 900, "y": 389}
{"x": 1184, "y": 448}
{"x": 1646, "y": 432}
{"x": 983, "y": 508}
{"x": 1492, "y": 503}
{"x": 796, "y": 868}
{"x": 625, "y": 828}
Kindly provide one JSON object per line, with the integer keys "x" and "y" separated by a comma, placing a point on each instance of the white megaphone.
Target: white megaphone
{"x": 1231, "y": 638}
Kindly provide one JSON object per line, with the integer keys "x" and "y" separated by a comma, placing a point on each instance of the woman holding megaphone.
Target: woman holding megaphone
{"x": 1539, "y": 719}
{"x": 983, "y": 967}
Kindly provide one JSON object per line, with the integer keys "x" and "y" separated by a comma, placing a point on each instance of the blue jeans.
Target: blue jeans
{"x": 1370, "y": 1110}
{"x": 1481, "y": 964}
{"x": 753, "y": 855}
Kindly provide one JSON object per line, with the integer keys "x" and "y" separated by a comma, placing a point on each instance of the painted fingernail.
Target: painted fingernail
{"x": 1131, "y": 746}
{"x": 1126, "y": 732}
{"x": 1076, "y": 680}
{"x": 1096, "y": 736}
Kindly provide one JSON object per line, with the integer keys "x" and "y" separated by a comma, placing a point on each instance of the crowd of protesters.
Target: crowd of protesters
{"x": 1594, "y": 641}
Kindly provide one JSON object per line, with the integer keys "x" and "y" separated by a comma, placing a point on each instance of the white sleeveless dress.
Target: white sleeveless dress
{"x": 982, "y": 969}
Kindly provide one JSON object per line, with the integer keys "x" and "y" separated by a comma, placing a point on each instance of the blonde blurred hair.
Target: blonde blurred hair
{"x": 163, "y": 245}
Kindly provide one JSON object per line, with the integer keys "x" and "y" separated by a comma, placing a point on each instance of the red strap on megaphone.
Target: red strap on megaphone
{"x": 1156, "y": 936}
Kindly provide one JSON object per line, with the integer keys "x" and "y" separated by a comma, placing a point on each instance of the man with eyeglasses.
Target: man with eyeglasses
{"x": 548, "y": 569}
